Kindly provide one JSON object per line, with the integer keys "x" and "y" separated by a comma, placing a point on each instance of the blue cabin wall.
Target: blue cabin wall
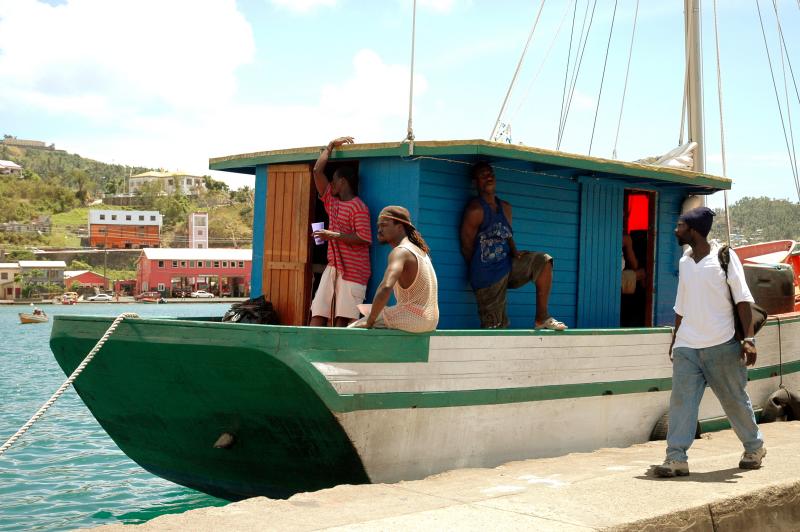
{"x": 259, "y": 222}
{"x": 577, "y": 221}
{"x": 383, "y": 182}
{"x": 545, "y": 218}
{"x": 599, "y": 291}
{"x": 668, "y": 253}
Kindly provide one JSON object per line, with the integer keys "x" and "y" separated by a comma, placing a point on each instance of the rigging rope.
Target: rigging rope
{"x": 566, "y": 72}
{"x": 683, "y": 107}
{"x": 576, "y": 71}
{"x": 603, "y": 76}
{"x": 524, "y": 99}
{"x": 778, "y": 99}
{"x": 785, "y": 53}
{"x": 516, "y": 72}
{"x": 63, "y": 388}
{"x": 721, "y": 124}
{"x": 625, "y": 85}
{"x": 410, "y": 128}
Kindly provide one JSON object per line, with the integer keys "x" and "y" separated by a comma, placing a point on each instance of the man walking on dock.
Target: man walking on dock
{"x": 495, "y": 264}
{"x": 344, "y": 282}
{"x": 704, "y": 348}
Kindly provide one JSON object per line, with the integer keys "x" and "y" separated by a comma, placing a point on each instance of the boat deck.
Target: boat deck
{"x": 605, "y": 489}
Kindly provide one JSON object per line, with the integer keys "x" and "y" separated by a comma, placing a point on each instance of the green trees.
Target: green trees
{"x": 760, "y": 220}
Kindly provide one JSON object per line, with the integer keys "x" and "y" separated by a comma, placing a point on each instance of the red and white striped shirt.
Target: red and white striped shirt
{"x": 348, "y": 217}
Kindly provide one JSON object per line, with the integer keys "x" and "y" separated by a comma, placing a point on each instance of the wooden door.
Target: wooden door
{"x": 286, "y": 274}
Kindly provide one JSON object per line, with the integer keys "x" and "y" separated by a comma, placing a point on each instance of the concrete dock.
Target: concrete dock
{"x": 609, "y": 489}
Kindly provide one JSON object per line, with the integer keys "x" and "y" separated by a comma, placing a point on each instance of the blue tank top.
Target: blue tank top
{"x": 491, "y": 260}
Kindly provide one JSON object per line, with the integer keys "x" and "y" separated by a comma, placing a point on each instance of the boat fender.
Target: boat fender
{"x": 661, "y": 427}
{"x": 225, "y": 441}
{"x": 782, "y": 403}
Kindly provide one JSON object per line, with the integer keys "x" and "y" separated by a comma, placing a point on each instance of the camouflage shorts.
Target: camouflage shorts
{"x": 492, "y": 299}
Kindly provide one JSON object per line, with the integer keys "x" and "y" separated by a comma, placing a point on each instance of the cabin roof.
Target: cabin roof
{"x": 247, "y": 162}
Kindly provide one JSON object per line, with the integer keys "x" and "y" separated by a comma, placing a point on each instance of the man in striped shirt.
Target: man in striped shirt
{"x": 344, "y": 282}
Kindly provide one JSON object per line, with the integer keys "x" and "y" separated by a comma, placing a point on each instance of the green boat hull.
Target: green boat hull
{"x": 166, "y": 390}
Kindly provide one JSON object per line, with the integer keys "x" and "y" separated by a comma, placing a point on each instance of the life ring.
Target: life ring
{"x": 781, "y": 403}
{"x": 661, "y": 427}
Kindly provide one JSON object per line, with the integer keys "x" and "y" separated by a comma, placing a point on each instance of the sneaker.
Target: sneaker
{"x": 753, "y": 460}
{"x": 672, "y": 468}
{"x": 552, "y": 324}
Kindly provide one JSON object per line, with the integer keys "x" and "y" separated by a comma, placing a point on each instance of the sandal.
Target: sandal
{"x": 551, "y": 324}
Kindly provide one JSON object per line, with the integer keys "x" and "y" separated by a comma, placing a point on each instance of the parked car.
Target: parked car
{"x": 148, "y": 295}
{"x": 100, "y": 297}
{"x": 181, "y": 292}
{"x": 72, "y": 296}
{"x": 202, "y": 293}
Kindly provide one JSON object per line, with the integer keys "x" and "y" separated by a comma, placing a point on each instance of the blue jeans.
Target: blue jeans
{"x": 722, "y": 368}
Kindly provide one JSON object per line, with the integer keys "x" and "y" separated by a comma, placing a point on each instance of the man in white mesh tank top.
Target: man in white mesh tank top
{"x": 409, "y": 274}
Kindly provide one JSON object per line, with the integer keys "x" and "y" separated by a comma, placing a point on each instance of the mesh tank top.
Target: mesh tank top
{"x": 417, "y": 308}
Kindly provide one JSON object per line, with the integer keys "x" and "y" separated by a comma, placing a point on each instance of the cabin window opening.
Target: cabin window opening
{"x": 638, "y": 255}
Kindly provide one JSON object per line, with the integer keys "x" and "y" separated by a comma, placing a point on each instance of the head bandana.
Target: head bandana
{"x": 699, "y": 219}
{"x": 398, "y": 214}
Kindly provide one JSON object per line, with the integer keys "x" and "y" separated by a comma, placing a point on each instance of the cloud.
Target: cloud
{"x": 303, "y": 6}
{"x": 161, "y": 93}
{"x": 443, "y": 6}
{"x": 95, "y": 56}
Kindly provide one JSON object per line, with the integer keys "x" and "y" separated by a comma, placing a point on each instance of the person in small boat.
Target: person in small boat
{"x": 409, "y": 274}
{"x": 344, "y": 282}
{"x": 38, "y": 312}
{"x": 495, "y": 264}
{"x": 704, "y": 348}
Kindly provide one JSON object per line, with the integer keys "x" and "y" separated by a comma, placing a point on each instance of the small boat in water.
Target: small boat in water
{"x": 37, "y": 316}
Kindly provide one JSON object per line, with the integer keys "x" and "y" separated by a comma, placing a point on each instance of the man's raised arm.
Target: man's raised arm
{"x": 320, "y": 181}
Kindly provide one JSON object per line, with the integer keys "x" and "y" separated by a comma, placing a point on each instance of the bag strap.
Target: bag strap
{"x": 724, "y": 257}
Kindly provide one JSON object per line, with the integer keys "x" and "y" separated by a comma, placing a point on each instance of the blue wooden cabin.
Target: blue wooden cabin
{"x": 576, "y": 208}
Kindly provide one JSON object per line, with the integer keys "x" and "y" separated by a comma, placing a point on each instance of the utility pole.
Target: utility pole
{"x": 105, "y": 259}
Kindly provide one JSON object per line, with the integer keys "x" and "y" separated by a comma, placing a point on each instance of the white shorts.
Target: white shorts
{"x": 348, "y": 296}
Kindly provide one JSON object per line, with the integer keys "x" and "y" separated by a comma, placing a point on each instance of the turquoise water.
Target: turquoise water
{"x": 66, "y": 472}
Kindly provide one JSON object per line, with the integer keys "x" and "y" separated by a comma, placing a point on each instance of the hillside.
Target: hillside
{"x": 70, "y": 169}
{"x": 62, "y": 187}
{"x": 759, "y": 220}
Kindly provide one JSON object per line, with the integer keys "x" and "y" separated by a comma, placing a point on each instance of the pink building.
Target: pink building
{"x": 175, "y": 272}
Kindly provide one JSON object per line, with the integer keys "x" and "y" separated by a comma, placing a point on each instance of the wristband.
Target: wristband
{"x": 750, "y": 340}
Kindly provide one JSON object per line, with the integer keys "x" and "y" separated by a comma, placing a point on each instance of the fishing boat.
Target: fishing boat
{"x": 36, "y": 316}
{"x": 239, "y": 410}
{"x": 294, "y": 408}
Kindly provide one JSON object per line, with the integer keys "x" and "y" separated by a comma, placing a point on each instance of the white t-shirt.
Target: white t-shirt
{"x": 704, "y": 300}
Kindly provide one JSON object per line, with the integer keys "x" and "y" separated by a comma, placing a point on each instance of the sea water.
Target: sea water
{"x": 65, "y": 472}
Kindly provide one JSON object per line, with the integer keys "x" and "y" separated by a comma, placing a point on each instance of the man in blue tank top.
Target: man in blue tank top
{"x": 495, "y": 264}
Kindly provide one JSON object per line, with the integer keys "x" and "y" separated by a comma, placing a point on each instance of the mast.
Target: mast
{"x": 694, "y": 82}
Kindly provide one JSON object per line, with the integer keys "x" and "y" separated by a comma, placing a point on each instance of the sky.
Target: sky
{"x": 169, "y": 84}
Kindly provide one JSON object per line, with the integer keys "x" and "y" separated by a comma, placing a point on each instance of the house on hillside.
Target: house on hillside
{"x": 198, "y": 230}
{"x": 43, "y": 271}
{"x": 86, "y": 279}
{"x": 9, "y": 289}
{"x": 186, "y": 184}
{"x": 115, "y": 229}
{"x": 10, "y": 168}
{"x": 178, "y": 271}
{"x": 39, "y": 224}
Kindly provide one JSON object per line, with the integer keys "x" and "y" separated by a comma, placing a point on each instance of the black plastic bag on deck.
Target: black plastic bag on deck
{"x": 257, "y": 310}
